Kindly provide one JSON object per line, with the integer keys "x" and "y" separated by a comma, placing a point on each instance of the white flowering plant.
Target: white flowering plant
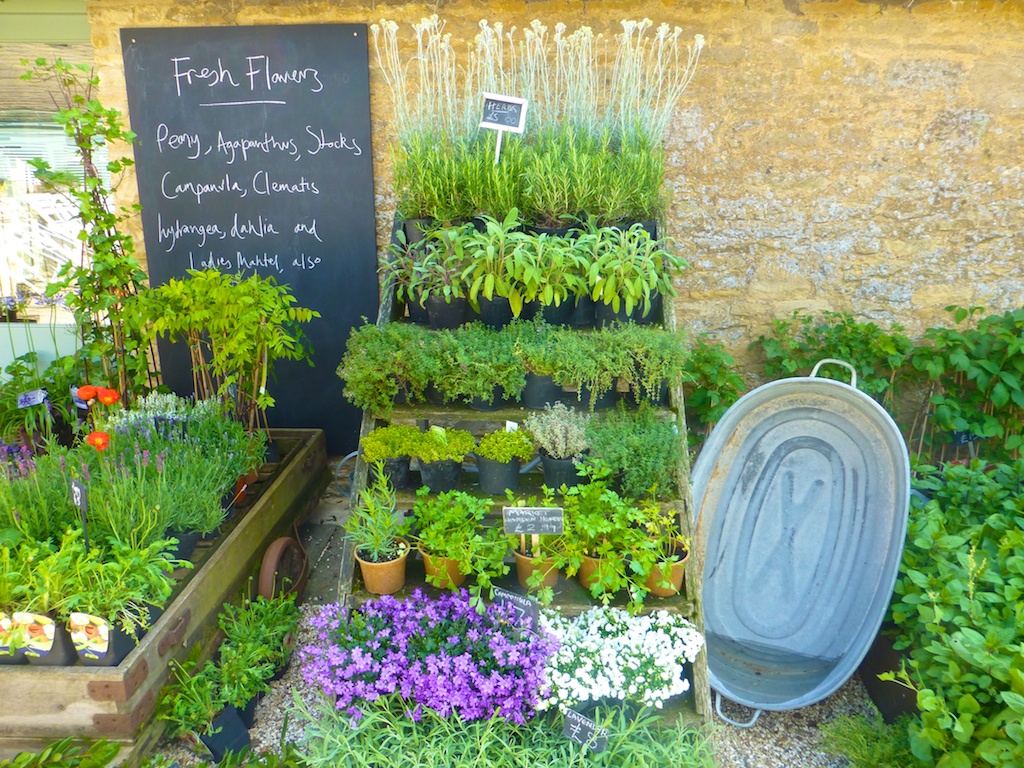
{"x": 605, "y": 653}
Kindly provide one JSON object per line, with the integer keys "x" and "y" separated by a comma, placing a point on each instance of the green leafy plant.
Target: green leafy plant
{"x": 192, "y": 700}
{"x": 711, "y": 384}
{"x": 388, "y": 442}
{"x": 491, "y": 257}
{"x": 474, "y": 360}
{"x": 642, "y": 448}
{"x": 440, "y": 270}
{"x": 100, "y": 289}
{"x": 868, "y": 742}
{"x": 372, "y": 525}
{"x": 955, "y": 606}
{"x": 630, "y": 267}
{"x": 450, "y": 525}
{"x": 504, "y": 446}
{"x": 269, "y": 624}
{"x": 655, "y": 357}
{"x": 68, "y": 753}
{"x": 796, "y": 343}
{"x": 235, "y": 328}
{"x": 442, "y": 444}
{"x": 559, "y": 431}
{"x": 244, "y": 672}
{"x": 976, "y": 380}
{"x": 550, "y": 269}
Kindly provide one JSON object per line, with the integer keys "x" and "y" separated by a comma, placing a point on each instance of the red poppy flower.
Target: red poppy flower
{"x": 98, "y": 440}
{"x": 86, "y": 392}
{"x": 107, "y": 396}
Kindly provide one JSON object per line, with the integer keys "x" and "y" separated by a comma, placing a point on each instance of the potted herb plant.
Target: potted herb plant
{"x": 455, "y": 543}
{"x": 440, "y": 452}
{"x": 641, "y": 446}
{"x": 491, "y": 255}
{"x": 630, "y": 274}
{"x": 388, "y": 445}
{"x": 193, "y": 706}
{"x": 499, "y": 456}
{"x": 269, "y": 622}
{"x": 245, "y": 671}
{"x": 560, "y": 434}
{"x": 375, "y": 531}
{"x": 552, "y": 272}
{"x": 439, "y": 274}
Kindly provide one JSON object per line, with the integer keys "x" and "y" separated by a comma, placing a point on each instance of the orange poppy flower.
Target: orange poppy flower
{"x": 86, "y": 392}
{"x": 98, "y": 440}
{"x": 107, "y": 396}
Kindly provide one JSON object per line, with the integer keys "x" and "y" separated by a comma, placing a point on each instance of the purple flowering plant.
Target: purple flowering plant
{"x": 435, "y": 652}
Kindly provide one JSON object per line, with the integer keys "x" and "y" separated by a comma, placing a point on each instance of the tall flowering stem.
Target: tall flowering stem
{"x": 434, "y": 652}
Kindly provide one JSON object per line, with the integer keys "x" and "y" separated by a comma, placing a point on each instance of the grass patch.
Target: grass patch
{"x": 867, "y": 742}
{"x": 386, "y": 736}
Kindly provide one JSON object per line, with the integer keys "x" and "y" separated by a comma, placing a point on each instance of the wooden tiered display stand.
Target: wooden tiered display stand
{"x": 570, "y": 597}
{"x": 45, "y": 704}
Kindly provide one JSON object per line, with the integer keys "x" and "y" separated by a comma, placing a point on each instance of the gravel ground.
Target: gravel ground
{"x": 777, "y": 740}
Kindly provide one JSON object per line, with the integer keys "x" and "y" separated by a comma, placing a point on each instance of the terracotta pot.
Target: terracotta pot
{"x": 384, "y": 578}
{"x": 525, "y": 567}
{"x": 445, "y": 568}
{"x": 675, "y": 577}
{"x": 587, "y": 570}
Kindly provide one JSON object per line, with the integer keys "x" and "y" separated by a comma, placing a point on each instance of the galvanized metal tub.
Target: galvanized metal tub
{"x": 801, "y": 496}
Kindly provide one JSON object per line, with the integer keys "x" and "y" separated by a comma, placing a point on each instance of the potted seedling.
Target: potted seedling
{"x": 439, "y": 274}
{"x": 376, "y": 533}
{"x": 560, "y": 434}
{"x": 387, "y": 447}
{"x": 440, "y": 452}
{"x": 271, "y": 622}
{"x": 455, "y": 543}
{"x": 492, "y": 256}
{"x": 499, "y": 456}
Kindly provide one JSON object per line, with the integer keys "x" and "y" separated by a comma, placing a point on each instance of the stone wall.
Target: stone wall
{"x": 843, "y": 155}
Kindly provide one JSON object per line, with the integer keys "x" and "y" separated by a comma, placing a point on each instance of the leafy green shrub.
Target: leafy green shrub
{"x": 67, "y": 754}
{"x": 795, "y": 344}
{"x": 505, "y": 446}
{"x": 977, "y": 377}
{"x": 641, "y": 447}
{"x": 710, "y": 384}
{"x": 957, "y": 605}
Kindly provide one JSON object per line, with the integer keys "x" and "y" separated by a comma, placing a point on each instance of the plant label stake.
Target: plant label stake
{"x": 32, "y": 397}
{"x": 585, "y": 731}
{"x": 80, "y": 404}
{"x": 80, "y": 498}
{"x": 503, "y": 113}
{"x": 527, "y": 610}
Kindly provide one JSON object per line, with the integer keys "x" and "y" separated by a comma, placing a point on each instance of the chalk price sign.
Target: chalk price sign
{"x": 527, "y": 610}
{"x": 533, "y": 520}
{"x": 504, "y": 113}
{"x": 585, "y": 731}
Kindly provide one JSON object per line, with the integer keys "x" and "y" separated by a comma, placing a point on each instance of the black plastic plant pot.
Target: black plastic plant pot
{"x": 58, "y": 653}
{"x": 559, "y": 315}
{"x": 605, "y": 315}
{"x": 604, "y": 400}
{"x": 440, "y": 476}
{"x": 446, "y": 314}
{"x": 497, "y": 476}
{"x": 584, "y": 313}
{"x": 248, "y": 712}
{"x": 659, "y": 398}
{"x": 273, "y": 453}
{"x": 230, "y": 734}
{"x": 496, "y": 312}
{"x": 186, "y": 543}
{"x": 540, "y": 392}
{"x": 396, "y": 469}
{"x": 559, "y": 472}
{"x": 497, "y": 401}
{"x": 418, "y": 312}
{"x": 99, "y": 643}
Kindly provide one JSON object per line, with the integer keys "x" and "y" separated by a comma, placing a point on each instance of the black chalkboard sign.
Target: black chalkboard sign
{"x": 253, "y": 155}
{"x": 527, "y": 610}
{"x": 583, "y": 730}
{"x": 528, "y": 520}
{"x": 504, "y": 113}
{"x": 965, "y": 438}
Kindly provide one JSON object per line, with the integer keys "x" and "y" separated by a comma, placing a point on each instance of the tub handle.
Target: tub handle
{"x": 853, "y": 371}
{"x": 730, "y": 721}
